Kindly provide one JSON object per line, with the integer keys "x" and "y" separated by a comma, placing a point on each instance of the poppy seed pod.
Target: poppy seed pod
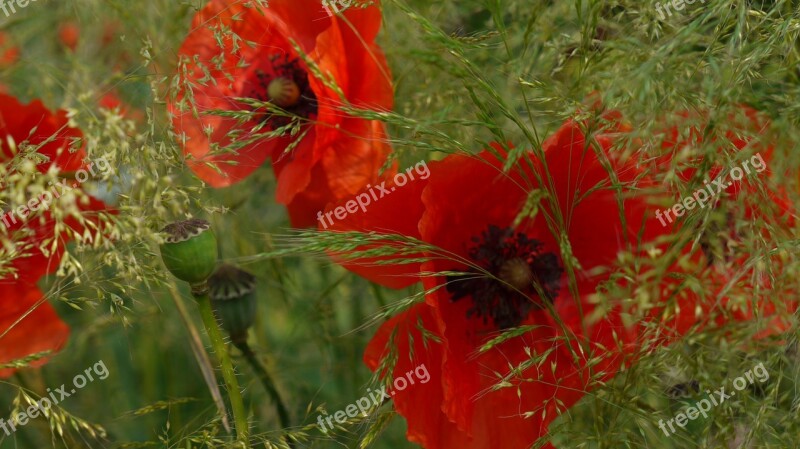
{"x": 232, "y": 292}
{"x": 190, "y": 250}
{"x": 684, "y": 396}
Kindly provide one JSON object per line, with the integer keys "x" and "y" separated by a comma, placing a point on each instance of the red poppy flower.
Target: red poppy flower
{"x": 742, "y": 193}
{"x": 28, "y": 324}
{"x": 34, "y": 125}
{"x": 9, "y": 53}
{"x": 69, "y": 34}
{"x": 397, "y": 213}
{"x": 111, "y": 32}
{"x": 505, "y": 274}
{"x": 328, "y": 154}
{"x": 596, "y": 207}
{"x": 111, "y": 101}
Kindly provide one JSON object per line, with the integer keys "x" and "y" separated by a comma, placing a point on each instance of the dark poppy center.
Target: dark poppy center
{"x": 523, "y": 276}
{"x": 715, "y": 239}
{"x": 283, "y": 82}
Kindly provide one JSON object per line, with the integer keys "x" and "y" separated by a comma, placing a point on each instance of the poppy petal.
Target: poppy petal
{"x": 28, "y": 325}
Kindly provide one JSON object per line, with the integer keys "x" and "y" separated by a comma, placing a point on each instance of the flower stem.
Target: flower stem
{"x": 269, "y": 385}
{"x": 228, "y": 373}
{"x": 199, "y": 351}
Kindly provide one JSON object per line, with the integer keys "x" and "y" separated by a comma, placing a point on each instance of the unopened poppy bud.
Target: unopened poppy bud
{"x": 232, "y": 292}
{"x": 190, "y": 250}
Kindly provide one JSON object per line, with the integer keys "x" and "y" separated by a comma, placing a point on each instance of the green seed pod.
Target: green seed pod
{"x": 190, "y": 250}
{"x": 232, "y": 292}
{"x": 691, "y": 407}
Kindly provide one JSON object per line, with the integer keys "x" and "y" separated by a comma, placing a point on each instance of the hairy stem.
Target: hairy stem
{"x": 228, "y": 373}
{"x": 203, "y": 361}
{"x": 269, "y": 385}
